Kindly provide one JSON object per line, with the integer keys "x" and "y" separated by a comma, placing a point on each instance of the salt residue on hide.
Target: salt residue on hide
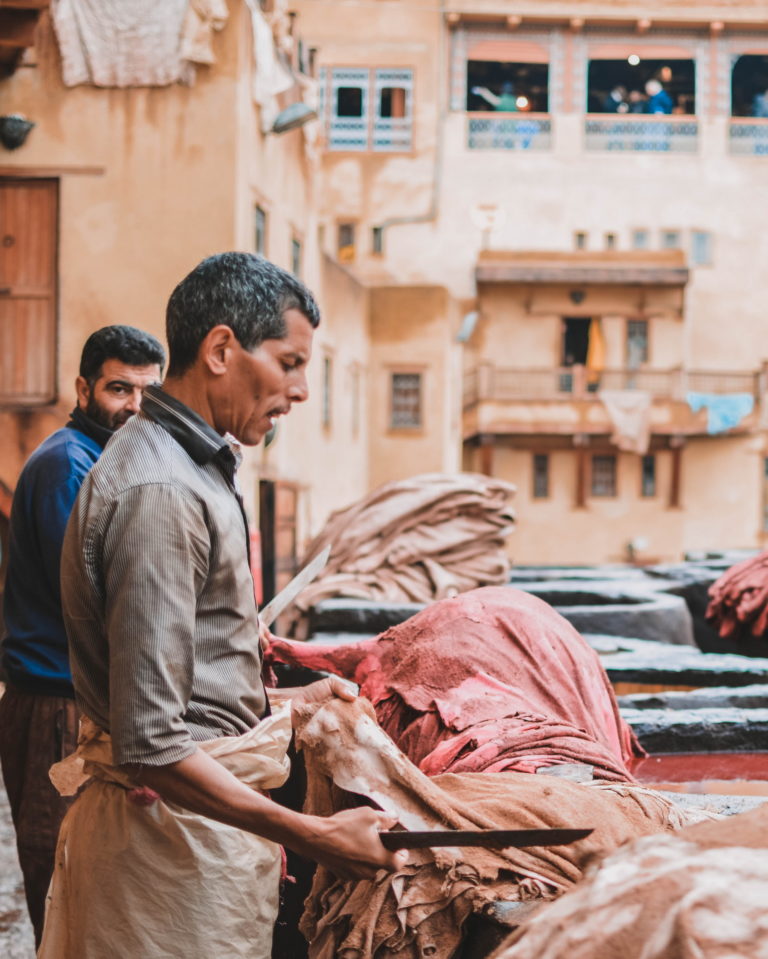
{"x": 700, "y": 892}
{"x": 425, "y": 905}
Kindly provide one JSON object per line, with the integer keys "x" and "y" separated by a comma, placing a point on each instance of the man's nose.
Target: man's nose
{"x": 134, "y": 400}
{"x": 298, "y": 391}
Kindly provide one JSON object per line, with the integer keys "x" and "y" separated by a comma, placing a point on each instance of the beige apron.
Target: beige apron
{"x": 154, "y": 881}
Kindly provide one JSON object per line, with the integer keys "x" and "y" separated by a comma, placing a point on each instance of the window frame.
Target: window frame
{"x": 644, "y": 459}
{"x": 595, "y": 492}
{"x": 415, "y": 427}
{"x": 258, "y": 208}
{"x": 297, "y": 255}
{"x": 536, "y": 460}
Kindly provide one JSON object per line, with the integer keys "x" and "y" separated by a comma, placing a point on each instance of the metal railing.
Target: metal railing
{"x": 492, "y": 131}
{"x": 493, "y": 383}
{"x": 641, "y": 134}
{"x": 748, "y": 137}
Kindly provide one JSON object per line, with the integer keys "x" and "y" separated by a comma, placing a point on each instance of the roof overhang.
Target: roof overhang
{"x": 583, "y": 269}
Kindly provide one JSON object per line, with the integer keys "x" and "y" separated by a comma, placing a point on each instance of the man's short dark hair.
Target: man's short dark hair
{"x": 125, "y": 343}
{"x": 245, "y": 292}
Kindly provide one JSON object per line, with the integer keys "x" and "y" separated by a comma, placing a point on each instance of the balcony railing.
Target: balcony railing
{"x": 500, "y": 384}
{"x": 642, "y": 134}
{"x": 492, "y": 131}
{"x": 748, "y": 137}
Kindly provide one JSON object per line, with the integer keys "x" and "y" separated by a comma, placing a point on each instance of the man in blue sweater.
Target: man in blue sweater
{"x": 38, "y": 719}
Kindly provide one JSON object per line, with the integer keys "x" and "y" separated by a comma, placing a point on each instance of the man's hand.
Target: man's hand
{"x": 265, "y": 636}
{"x": 348, "y": 843}
{"x": 322, "y": 690}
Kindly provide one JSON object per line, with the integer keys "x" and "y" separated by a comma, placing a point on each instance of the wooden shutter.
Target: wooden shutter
{"x": 28, "y": 248}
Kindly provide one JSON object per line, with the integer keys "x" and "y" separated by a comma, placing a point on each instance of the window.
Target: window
{"x": 640, "y": 239}
{"x": 540, "y": 475}
{"x": 325, "y": 406}
{"x": 260, "y": 230}
{"x": 354, "y": 377}
{"x": 377, "y": 240}
{"x": 648, "y": 475}
{"x": 502, "y": 87}
{"x": 345, "y": 246}
{"x": 391, "y": 102}
{"x": 393, "y": 93}
{"x": 633, "y": 85}
{"x": 637, "y": 343}
{"x": 603, "y": 475}
{"x": 749, "y": 82}
{"x": 701, "y": 248}
{"x": 296, "y": 257}
{"x": 358, "y": 95}
{"x": 580, "y": 240}
{"x": 610, "y": 241}
{"x": 349, "y": 102}
{"x": 405, "y": 409}
{"x": 670, "y": 239}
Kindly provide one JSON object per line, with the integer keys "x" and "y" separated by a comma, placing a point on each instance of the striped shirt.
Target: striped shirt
{"x": 157, "y": 592}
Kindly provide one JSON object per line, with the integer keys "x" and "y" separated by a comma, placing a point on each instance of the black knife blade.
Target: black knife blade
{"x": 495, "y": 838}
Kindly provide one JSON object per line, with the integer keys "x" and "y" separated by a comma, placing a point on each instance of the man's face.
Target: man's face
{"x": 116, "y": 393}
{"x": 264, "y": 383}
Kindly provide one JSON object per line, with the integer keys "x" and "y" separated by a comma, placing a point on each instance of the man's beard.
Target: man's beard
{"x": 110, "y": 421}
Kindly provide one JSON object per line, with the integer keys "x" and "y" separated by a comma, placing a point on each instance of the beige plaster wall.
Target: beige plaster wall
{"x": 553, "y": 531}
{"x": 413, "y": 330}
{"x": 329, "y": 462}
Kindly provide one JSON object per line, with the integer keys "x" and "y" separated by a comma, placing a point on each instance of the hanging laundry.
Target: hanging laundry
{"x": 724, "y": 410}
{"x": 141, "y": 43}
{"x": 630, "y": 414}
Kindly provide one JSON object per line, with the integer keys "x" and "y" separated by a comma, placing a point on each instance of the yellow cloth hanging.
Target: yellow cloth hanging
{"x": 595, "y": 352}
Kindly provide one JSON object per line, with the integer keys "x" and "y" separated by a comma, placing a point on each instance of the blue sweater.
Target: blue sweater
{"x": 34, "y": 648}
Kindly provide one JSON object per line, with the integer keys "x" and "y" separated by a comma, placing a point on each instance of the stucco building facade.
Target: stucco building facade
{"x": 485, "y": 275}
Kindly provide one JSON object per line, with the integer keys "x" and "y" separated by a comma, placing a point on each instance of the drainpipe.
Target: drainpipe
{"x": 431, "y": 213}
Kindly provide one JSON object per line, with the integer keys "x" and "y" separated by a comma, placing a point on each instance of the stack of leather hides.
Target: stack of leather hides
{"x": 738, "y": 603}
{"x": 416, "y": 540}
{"x": 421, "y": 910}
{"x": 698, "y": 893}
{"x": 491, "y": 680}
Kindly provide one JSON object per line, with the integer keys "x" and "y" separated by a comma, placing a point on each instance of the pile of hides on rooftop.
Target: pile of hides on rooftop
{"x": 738, "y": 603}
{"x": 416, "y": 540}
{"x": 698, "y": 893}
{"x": 490, "y": 680}
{"x": 420, "y": 910}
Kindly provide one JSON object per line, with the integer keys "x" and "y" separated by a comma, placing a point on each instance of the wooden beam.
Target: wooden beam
{"x": 675, "y": 480}
{"x": 486, "y": 457}
{"x": 17, "y": 27}
{"x": 582, "y": 465}
{"x": 44, "y": 172}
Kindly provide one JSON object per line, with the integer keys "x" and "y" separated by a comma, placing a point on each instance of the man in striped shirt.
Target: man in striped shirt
{"x": 172, "y": 848}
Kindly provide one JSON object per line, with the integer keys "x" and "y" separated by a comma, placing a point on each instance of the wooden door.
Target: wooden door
{"x": 28, "y": 268}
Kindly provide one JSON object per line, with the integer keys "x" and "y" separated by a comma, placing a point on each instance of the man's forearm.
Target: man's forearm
{"x": 202, "y": 785}
{"x": 347, "y": 843}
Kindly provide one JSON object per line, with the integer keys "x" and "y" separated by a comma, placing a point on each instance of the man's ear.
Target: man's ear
{"x": 217, "y": 349}
{"x": 83, "y": 391}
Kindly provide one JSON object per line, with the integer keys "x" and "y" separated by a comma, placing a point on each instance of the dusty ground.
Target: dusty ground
{"x": 16, "y": 938}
